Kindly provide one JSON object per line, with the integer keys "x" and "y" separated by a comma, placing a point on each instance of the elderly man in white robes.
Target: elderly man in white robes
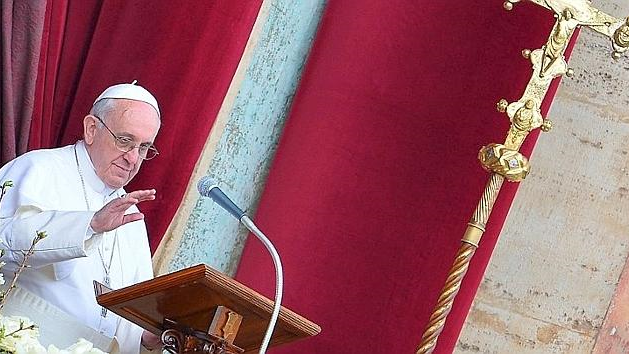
{"x": 95, "y": 231}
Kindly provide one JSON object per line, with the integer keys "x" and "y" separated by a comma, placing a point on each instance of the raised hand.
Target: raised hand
{"x": 112, "y": 215}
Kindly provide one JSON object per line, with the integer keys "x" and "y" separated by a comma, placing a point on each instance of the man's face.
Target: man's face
{"x": 133, "y": 119}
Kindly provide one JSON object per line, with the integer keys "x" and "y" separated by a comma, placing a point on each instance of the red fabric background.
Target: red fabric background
{"x": 376, "y": 174}
{"x": 21, "y": 24}
{"x": 185, "y": 55}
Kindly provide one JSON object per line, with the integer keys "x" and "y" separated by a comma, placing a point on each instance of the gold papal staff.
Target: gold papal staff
{"x": 503, "y": 160}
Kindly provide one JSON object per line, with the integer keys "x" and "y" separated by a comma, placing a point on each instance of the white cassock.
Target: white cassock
{"x": 55, "y": 194}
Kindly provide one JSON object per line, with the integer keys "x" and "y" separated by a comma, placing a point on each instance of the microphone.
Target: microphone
{"x": 207, "y": 187}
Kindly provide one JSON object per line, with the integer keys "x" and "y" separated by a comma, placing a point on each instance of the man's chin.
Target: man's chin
{"x": 117, "y": 182}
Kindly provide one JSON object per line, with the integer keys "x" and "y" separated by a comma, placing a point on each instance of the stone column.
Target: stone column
{"x": 242, "y": 143}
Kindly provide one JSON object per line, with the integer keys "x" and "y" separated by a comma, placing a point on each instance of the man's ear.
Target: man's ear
{"x": 89, "y": 129}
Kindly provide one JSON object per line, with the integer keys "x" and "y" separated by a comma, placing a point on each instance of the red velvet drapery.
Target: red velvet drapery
{"x": 376, "y": 174}
{"x": 20, "y": 39}
{"x": 185, "y": 52}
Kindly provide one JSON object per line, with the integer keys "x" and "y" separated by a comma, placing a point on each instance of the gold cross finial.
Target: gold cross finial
{"x": 582, "y": 11}
{"x": 549, "y": 62}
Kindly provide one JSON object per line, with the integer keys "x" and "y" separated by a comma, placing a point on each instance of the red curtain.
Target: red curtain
{"x": 184, "y": 52}
{"x": 20, "y": 41}
{"x": 376, "y": 174}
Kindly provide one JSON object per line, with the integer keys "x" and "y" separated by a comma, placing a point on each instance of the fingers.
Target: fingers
{"x": 132, "y": 198}
{"x": 142, "y": 195}
{"x": 120, "y": 204}
{"x": 131, "y": 218}
{"x": 112, "y": 215}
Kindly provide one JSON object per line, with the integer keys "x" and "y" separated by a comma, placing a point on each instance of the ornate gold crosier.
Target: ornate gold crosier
{"x": 503, "y": 160}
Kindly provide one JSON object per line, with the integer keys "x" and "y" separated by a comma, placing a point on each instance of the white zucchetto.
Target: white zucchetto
{"x": 130, "y": 92}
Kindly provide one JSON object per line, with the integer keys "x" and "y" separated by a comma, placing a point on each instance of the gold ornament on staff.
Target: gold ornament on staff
{"x": 503, "y": 160}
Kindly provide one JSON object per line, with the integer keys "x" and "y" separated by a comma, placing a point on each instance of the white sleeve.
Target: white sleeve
{"x": 33, "y": 204}
{"x": 66, "y": 235}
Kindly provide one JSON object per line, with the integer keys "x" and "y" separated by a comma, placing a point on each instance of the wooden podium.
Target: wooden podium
{"x": 200, "y": 310}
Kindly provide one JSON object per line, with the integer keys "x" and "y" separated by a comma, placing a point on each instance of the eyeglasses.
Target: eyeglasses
{"x": 125, "y": 144}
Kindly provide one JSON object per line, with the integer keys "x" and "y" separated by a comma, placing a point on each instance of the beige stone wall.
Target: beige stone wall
{"x": 561, "y": 254}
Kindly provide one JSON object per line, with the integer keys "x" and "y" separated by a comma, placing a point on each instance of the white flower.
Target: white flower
{"x": 30, "y": 346}
{"x": 83, "y": 346}
{"x": 18, "y": 335}
{"x": 1, "y": 274}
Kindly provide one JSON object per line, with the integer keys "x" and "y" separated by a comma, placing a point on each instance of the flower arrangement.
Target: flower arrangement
{"x": 18, "y": 335}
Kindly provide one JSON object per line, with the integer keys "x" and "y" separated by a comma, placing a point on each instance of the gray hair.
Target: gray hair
{"x": 102, "y": 108}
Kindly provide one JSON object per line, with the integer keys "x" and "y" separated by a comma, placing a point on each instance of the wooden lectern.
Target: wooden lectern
{"x": 200, "y": 310}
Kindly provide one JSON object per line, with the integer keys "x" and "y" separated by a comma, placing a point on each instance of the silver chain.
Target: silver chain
{"x": 106, "y": 267}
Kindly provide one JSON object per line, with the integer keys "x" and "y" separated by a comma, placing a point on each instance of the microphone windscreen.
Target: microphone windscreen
{"x": 205, "y": 185}
{"x": 209, "y": 188}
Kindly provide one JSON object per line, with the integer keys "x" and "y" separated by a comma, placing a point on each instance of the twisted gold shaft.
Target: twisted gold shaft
{"x": 461, "y": 264}
{"x": 444, "y": 305}
{"x": 486, "y": 203}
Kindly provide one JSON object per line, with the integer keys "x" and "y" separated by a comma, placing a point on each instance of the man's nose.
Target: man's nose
{"x": 133, "y": 155}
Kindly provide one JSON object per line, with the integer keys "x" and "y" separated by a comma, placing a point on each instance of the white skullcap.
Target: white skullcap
{"x": 130, "y": 92}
